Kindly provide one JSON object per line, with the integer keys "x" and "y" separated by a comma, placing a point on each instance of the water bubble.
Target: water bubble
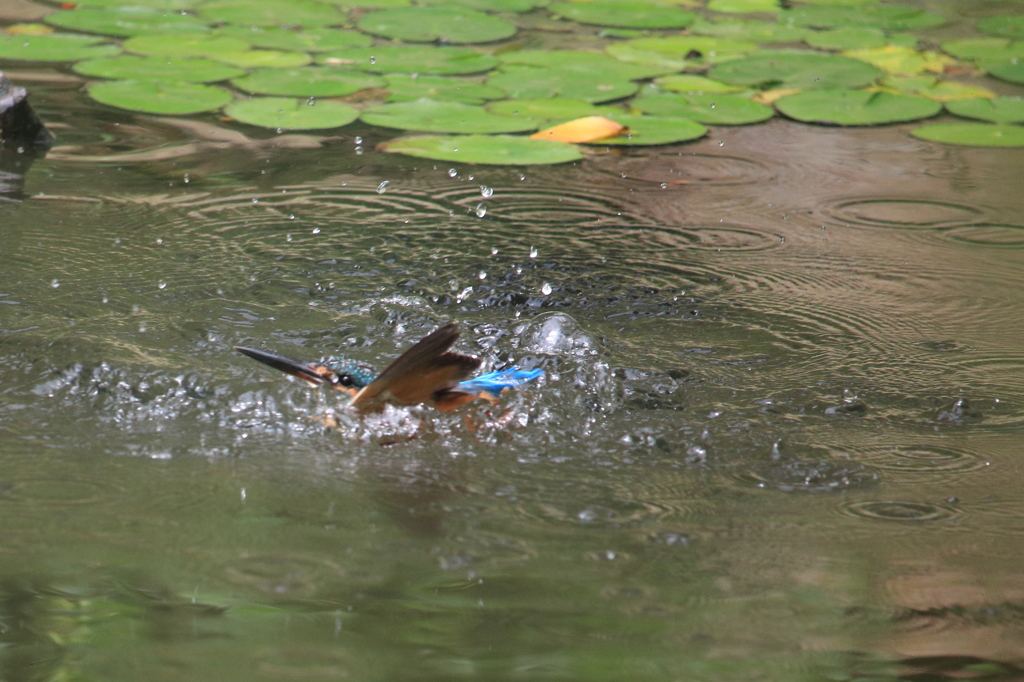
{"x": 105, "y": 299}
{"x": 186, "y": 178}
{"x": 373, "y": 60}
{"x": 358, "y": 139}
{"x": 546, "y": 289}
{"x": 291, "y": 216}
{"x": 664, "y": 185}
{"x": 287, "y": 237}
{"x": 480, "y": 211}
{"x": 486, "y": 192}
{"x": 159, "y": 241}
{"x": 721, "y": 143}
{"x": 311, "y": 102}
{"x": 521, "y": 177}
{"x": 55, "y": 283}
{"x": 383, "y": 187}
{"x": 161, "y": 284}
{"x": 316, "y": 230}
{"x": 452, "y": 172}
{"x": 143, "y": 327}
{"x": 482, "y": 274}
{"x": 255, "y": 200}
{"x": 464, "y": 294}
{"x": 470, "y": 178}
{"x": 533, "y": 252}
{"x": 494, "y": 250}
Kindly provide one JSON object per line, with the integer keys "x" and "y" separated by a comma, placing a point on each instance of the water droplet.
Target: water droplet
{"x": 721, "y": 143}
{"x": 287, "y": 237}
{"x": 383, "y": 187}
{"x": 255, "y": 200}
{"x": 316, "y": 230}
{"x": 712, "y": 105}
{"x": 55, "y": 283}
{"x": 494, "y": 250}
{"x": 521, "y": 177}
{"x": 373, "y": 60}
{"x": 186, "y": 178}
{"x": 452, "y": 172}
{"x": 358, "y": 139}
{"x": 161, "y": 284}
{"x": 664, "y": 185}
{"x": 533, "y": 252}
{"x": 481, "y": 210}
{"x": 143, "y": 327}
{"x": 486, "y": 192}
{"x": 291, "y": 216}
{"x": 482, "y": 275}
{"x": 105, "y": 299}
{"x": 311, "y": 102}
{"x": 470, "y": 178}
{"x": 546, "y": 289}
{"x": 463, "y": 294}
{"x": 159, "y": 241}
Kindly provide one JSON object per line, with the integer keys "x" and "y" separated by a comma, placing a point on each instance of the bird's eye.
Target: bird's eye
{"x": 345, "y": 380}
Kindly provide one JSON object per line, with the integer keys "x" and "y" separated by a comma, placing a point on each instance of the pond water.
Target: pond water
{"x": 777, "y": 437}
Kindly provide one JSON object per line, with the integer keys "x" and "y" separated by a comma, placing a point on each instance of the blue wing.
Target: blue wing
{"x": 492, "y": 385}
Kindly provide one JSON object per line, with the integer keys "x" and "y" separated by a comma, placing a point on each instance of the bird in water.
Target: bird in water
{"x": 426, "y": 373}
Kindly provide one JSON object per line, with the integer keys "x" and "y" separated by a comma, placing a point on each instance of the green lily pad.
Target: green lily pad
{"x": 184, "y": 46}
{"x": 126, "y": 21}
{"x": 159, "y": 96}
{"x": 446, "y": 24}
{"x": 933, "y": 88}
{"x": 715, "y": 109}
{"x": 440, "y": 89}
{"x": 996, "y": 110}
{"x": 500, "y": 150}
{"x": 852, "y": 38}
{"x": 750, "y": 31}
{"x": 855, "y": 107}
{"x": 516, "y": 6}
{"x": 679, "y": 52}
{"x": 695, "y": 85}
{"x": 1012, "y": 71}
{"x": 590, "y": 64}
{"x": 653, "y": 130}
{"x": 167, "y": 68}
{"x": 545, "y": 109}
{"x": 528, "y": 82}
{"x": 154, "y": 4}
{"x": 55, "y": 47}
{"x": 884, "y": 17}
{"x": 313, "y": 81}
{"x": 986, "y": 51}
{"x": 743, "y": 6}
{"x": 270, "y": 59}
{"x": 429, "y": 116}
{"x": 284, "y": 113}
{"x": 624, "y": 13}
{"x": 972, "y": 134}
{"x": 1011, "y": 26}
{"x": 804, "y": 70}
{"x": 440, "y": 61}
{"x": 273, "y": 13}
{"x": 316, "y": 39}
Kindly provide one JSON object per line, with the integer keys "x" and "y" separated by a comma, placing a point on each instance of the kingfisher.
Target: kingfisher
{"x": 426, "y": 373}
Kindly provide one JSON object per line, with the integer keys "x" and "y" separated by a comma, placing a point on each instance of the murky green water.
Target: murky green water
{"x": 777, "y": 439}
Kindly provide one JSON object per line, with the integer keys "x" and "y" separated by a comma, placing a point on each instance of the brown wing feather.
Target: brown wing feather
{"x": 420, "y": 372}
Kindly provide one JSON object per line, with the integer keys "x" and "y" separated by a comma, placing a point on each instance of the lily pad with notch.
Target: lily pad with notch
{"x": 679, "y": 52}
{"x": 316, "y": 39}
{"x": 426, "y": 115}
{"x": 129, "y": 67}
{"x": 796, "y": 69}
{"x": 312, "y": 81}
{"x": 126, "y": 21}
{"x": 446, "y": 24}
{"x": 547, "y": 109}
{"x": 440, "y": 89}
{"x": 624, "y": 14}
{"x": 438, "y": 61}
{"x": 995, "y": 110}
{"x": 55, "y": 47}
{"x": 856, "y": 107}
{"x": 291, "y": 114}
{"x": 270, "y": 59}
{"x": 713, "y": 109}
{"x": 159, "y": 96}
{"x": 528, "y": 82}
{"x": 273, "y": 13}
{"x": 500, "y": 150}
{"x": 202, "y": 45}
{"x": 653, "y": 130}
{"x": 972, "y": 134}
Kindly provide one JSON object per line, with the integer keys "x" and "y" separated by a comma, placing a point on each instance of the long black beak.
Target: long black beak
{"x": 306, "y": 371}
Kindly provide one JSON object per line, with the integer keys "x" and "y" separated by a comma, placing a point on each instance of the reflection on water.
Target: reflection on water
{"x": 776, "y": 436}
